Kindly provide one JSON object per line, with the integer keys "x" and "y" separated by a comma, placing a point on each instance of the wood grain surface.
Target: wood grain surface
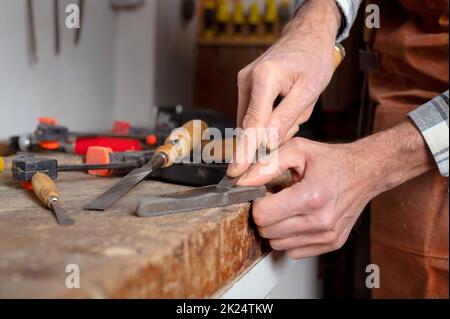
{"x": 119, "y": 255}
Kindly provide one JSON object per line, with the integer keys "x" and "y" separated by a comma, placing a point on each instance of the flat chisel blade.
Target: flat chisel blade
{"x": 61, "y": 215}
{"x": 108, "y": 198}
{"x": 195, "y": 199}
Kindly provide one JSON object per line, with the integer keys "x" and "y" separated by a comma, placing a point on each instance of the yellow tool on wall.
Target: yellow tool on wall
{"x": 254, "y": 18}
{"x": 238, "y": 17}
{"x": 223, "y": 16}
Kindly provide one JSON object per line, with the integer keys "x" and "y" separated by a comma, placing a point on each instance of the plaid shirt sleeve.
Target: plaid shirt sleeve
{"x": 349, "y": 10}
{"x": 432, "y": 121}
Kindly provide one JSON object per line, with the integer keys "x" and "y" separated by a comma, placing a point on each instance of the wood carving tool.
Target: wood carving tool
{"x": 56, "y": 25}
{"x": 45, "y": 190}
{"x": 78, "y": 30}
{"x": 177, "y": 146}
{"x": 223, "y": 194}
{"x": 32, "y": 33}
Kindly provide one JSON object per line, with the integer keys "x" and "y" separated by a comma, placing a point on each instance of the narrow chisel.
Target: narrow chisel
{"x": 45, "y": 190}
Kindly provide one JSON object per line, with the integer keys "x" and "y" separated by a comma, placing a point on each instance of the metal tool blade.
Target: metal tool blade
{"x": 61, "y": 214}
{"x": 56, "y": 23}
{"x": 227, "y": 182}
{"x": 195, "y": 199}
{"x": 108, "y": 198}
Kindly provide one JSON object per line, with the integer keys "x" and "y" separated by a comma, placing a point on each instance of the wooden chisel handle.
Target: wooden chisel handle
{"x": 182, "y": 141}
{"x": 45, "y": 189}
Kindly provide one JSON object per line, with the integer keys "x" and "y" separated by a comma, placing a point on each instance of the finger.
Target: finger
{"x": 319, "y": 249}
{"x": 304, "y": 240}
{"x": 296, "y": 127}
{"x": 310, "y": 251}
{"x": 291, "y": 227}
{"x": 291, "y": 109}
{"x": 273, "y": 165}
{"x": 264, "y": 91}
{"x": 299, "y": 199}
{"x": 244, "y": 86}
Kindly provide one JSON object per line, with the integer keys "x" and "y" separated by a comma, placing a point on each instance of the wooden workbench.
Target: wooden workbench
{"x": 192, "y": 255}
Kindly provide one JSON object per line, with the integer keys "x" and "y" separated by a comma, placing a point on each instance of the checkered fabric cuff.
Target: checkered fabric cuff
{"x": 432, "y": 120}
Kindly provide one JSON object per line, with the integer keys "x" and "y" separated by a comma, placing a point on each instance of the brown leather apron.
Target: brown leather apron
{"x": 410, "y": 224}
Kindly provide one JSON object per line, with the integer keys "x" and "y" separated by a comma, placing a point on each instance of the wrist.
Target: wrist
{"x": 317, "y": 16}
{"x": 394, "y": 156}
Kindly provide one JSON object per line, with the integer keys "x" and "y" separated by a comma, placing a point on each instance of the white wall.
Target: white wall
{"x": 135, "y": 64}
{"x": 175, "y": 55}
{"x": 127, "y": 62}
{"x": 77, "y": 87}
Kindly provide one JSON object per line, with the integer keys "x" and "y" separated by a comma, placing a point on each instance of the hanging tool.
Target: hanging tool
{"x": 78, "y": 30}
{"x": 56, "y": 25}
{"x": 238, "y": 17}
{"x": 223, "y": 16}
{"x": 177, "y": 146}
{"x": 32, "y": 33}
{"x": 254, "y": 18}
{"x": 45, "y": 190}
{"x": 270, "y": 16}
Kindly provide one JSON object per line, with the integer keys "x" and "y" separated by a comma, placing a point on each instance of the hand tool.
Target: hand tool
{"x": 177, "y": 146}
{"x": 270, "y": 16}
{"x": 32, "y": 33}
{"x": 238, "y": 17}
{"x": 25, "y": 166}
{"x": 223, "y": 194}
{"x": 78, "y": 30}
{"x": 46, "y": 191}
{"x": 49, "y": 136}
{"x": 56, "y": 25}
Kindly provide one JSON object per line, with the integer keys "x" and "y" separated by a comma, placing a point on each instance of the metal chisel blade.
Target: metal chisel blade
{"x": 61, "y": 215}
{"x": 195, "y": 199}
{"x": 108, "y": 198}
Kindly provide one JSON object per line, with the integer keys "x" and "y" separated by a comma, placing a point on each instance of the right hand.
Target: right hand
{"x": 298, "y": 68}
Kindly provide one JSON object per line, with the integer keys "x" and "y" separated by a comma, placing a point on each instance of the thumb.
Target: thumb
{"x": 276, "y": 163}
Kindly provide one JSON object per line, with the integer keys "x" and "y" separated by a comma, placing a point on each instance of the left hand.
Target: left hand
{"x": 316, "y": 214}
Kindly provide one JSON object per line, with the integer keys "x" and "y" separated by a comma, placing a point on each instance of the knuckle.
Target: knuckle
{"x": 242, "y": 76}
{"x": 331, "y": 237}
{"x": 317, "y": 197}
{"x": 326, "y": 221}
{"x": 263, "y": 69}
{"x": 250, "y": 118}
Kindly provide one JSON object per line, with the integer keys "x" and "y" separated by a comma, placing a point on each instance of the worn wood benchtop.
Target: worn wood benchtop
{"x": 119, "y": 255}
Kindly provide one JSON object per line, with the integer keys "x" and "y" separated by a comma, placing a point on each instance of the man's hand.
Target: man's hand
{"x": 298, "y": 68}
{"x": 332, "y": 184}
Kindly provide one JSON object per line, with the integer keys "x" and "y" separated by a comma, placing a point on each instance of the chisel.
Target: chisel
{"x": 56, "y": 23}
{"x": 78, "y": 30}
{"x": 177, "y": 146}
{"x": 45, "y": 190}
{"x": 32, "y": 32}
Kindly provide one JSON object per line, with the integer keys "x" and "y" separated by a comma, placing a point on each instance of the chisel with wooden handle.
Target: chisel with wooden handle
{"x": 177, "y": 146}
{"x": 45, "y": 190}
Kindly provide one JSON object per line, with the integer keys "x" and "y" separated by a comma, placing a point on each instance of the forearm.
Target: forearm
{"x": 394, "y": 156}
{"x": 319, "y": 17}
